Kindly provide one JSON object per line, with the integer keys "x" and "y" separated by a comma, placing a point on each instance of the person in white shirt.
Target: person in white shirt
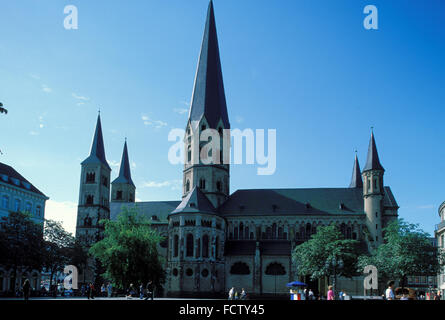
{"x": 389, "y": 292}
{"x": 231, "y": 293}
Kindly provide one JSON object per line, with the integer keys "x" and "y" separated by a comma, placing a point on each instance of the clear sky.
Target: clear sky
{"x": 308, "y": 69}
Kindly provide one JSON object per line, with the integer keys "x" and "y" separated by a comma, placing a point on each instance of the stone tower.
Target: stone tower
{"x": 196, "y": 231}
{"x": 208, "y": 110}
{"x": 123, "y": 188}
{"x": 373, "y": 193}
{"x": 94, "y": 196}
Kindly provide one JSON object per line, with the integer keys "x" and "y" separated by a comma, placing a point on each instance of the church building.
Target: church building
{"x": 217, "y": 239}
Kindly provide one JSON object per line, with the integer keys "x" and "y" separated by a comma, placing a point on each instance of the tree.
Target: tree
{"x": 21, "y": 244}
{"x": 406, "y": 251}
{"x": 128, "y": 250}
{"x": 327, "y": 254}
{"x": 3, "y": 110}
{"x": 57, "y": 249}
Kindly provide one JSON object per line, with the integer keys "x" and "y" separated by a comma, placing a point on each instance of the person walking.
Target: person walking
{"x": 340, "y": 295}
{"x": 330, "y": 294}
{"x": 150, "y": 290}
{"x": 311, "y": 294}
{"x": 438, "y": 295}
{"x": 231, "y": 293}
{"x": 26, "y": 289}
{"x": 103, "y": 290}
{"x": 141, "y": 291}
{"x": 243, "y": 294}
{"x": 130, "y": 291}
{"x": 389, "y": 294}
{"x": 110, "y": 290}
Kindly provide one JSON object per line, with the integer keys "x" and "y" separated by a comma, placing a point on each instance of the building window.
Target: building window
{"x": 175, "y": 272}
{"x": 219, "y": 186}
{"x": 369, "y": 184}
{"x": 205, "y": 273}
{"x": 217, "y": 248}
{"x": 89, "y": 199}
{"x": 28, "y": 207}
{"x": 205, "y": 246}
{"x": 235, "y": 231}
{"x": 240, "y": 268}
{"x": 119, "y": 195}
{"x": 189, "y": 272}
{"x": 104, "y": 181}
{"x": 91, "y": 177}
{"x": 187, "y": 186}
{"x": 17, "y": 205}
{"x": 241, "y": 231}
{"x": 275, "y": 269}
{"x": 375, "y": 184}
{"x": 189, "y": 251}
{"x": 5, "y": 202}
{"x": 189, "y": 154}
{"x": 38, "y": 211}
{"x": 202, "y": 184}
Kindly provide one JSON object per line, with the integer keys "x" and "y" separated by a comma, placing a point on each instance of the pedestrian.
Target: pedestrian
{"x": 231, "y": 293}
{"x": 130, "y": 291}
{"x": 82, "y": 290}
{"x": 311, "y": 294}
{"x": 331, "y": 295}
{"x": 141, "y": 291}
{"x": 438, "y": 295}
{"x": 389, "y": 294}
{"x": 103, "y": 290}
{"x": 236, "y": 297}
{"x": 110, "y": 290}
{"x": 26, "y": 289}
{"x": 91, "y": 291}
{"x": 340, "y": 295}
{"x": 243, "y": 294}
{"x": 150, "y": 290}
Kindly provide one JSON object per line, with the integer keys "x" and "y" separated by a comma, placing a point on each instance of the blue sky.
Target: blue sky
{"x": 308, "y": 69}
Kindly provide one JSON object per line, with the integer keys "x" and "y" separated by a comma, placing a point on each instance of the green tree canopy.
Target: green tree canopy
{"x": 406, "y": 251}
{"x": 57, "y": 247}
{"x": 21, "y": 243}
{"x": 315, "y": 257}
{"x": 129, "y": 250}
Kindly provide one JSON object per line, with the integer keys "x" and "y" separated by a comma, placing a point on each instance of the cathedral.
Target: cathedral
{"x": 215, "y": 239}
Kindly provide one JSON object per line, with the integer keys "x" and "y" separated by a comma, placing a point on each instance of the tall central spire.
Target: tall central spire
{"x": 208, "y": 98}
{"x": 97, "y": 153}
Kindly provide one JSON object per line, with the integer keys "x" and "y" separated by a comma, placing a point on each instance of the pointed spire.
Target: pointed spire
{"x": 97, "y": 153}
{"x": 124, "y": 171}
{"x": 356, "y": 180}
{"x": 373, "y": 162}
{"x": 208, "y": 93}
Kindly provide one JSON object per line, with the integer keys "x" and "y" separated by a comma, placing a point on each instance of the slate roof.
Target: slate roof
{"x": 356, "y": 180}
{"x": 10, "y": 176}
{"x": 196, "y": 201}
{"x": 97, "y": 153}
{"x": 124, "y": 171}
{"x": 156, "y": 211}
{"x": 294, "y": 202}
{"x": 372, "y": 162}
{"x": 209, "y": 98}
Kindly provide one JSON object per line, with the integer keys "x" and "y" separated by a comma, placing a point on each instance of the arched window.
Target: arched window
{"x": 205, "y": 246}
{"x": 280, "y": 233}
{"x": 240, "y": 268}
{"x": 175, "y": 245}
{"x": 5, "y": 202}
{"x": 241, "y": 231}
{"x": 28, "y": 207}
{"x": 17, "y": 205}
{"x": 202, "y": 184}
{"x": 187, "y": 186}
{"x": 38, "y": 211}
{"x": 275, "y": 269}
{"x": 246, "y": 232}
{"x": 90, "y": 199}
{"x": 308, "y": 230}
{"x": 189, "y": 154}
{"x": 268, "y": 233}
{"x": 91, "y": 177}
{"x": 274, "y": 231}
{"x": 189, "y": 250}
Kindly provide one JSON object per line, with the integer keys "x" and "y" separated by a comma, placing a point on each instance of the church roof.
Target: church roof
{"x": 208, "y": 98}
{"x": 9, "y": 175}
{"x": 282, "y": 202}
{"x": 356, "y": 180}
{"x": 156, "y": 211}
{"x": 124, "y": 171}
{"x": 372, "y": 162}
{"x": 195, "y": 202}
{"x": 97, "y": 153}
